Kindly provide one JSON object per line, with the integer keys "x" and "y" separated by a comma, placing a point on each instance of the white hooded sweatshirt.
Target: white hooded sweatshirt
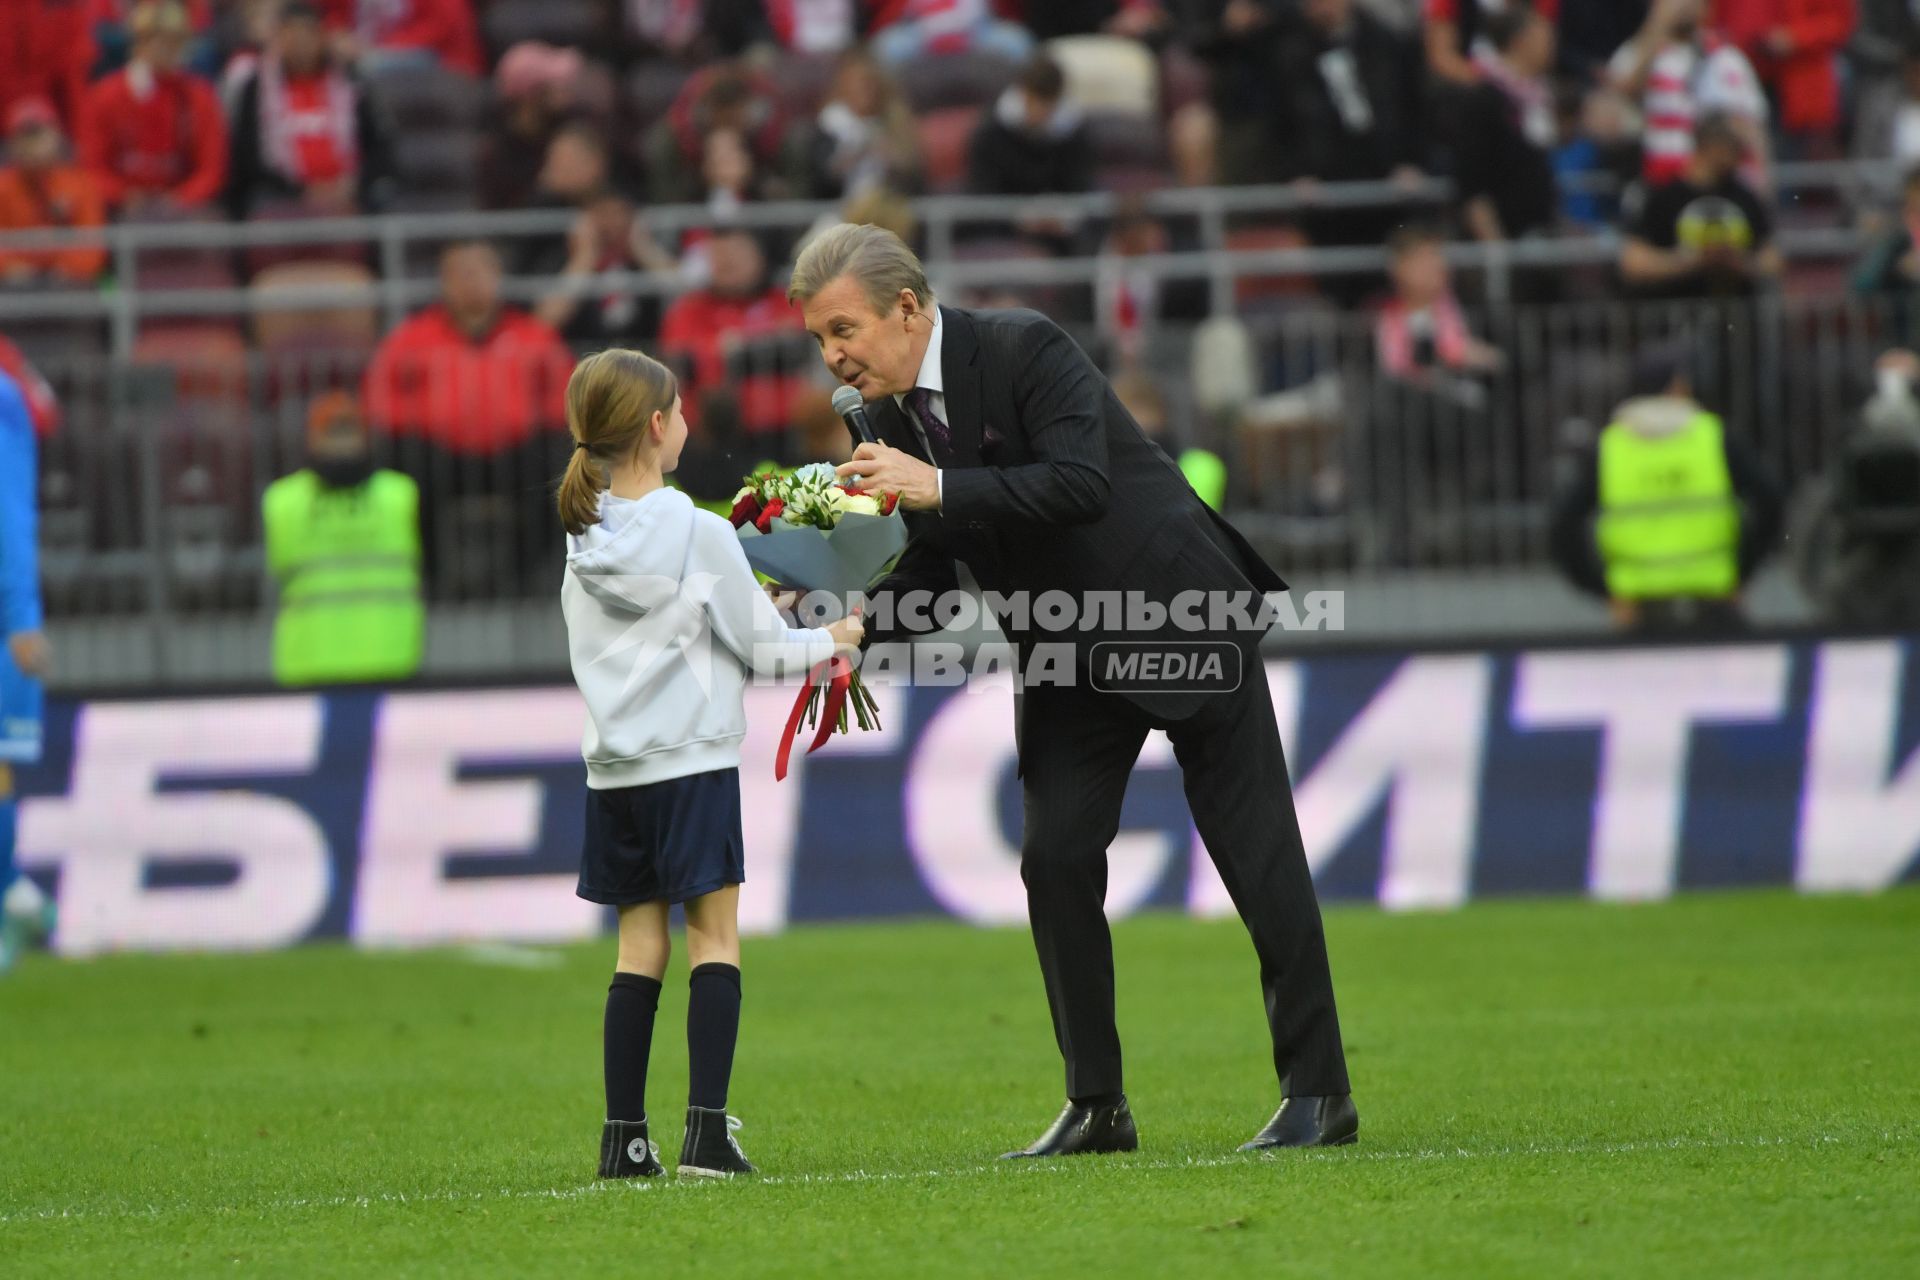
{"x": 664, "y": 622}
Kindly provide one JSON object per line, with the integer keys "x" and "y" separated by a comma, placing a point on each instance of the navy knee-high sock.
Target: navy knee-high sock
{"x": 713, "y": 1026}
{"x": 632, "y": 1001}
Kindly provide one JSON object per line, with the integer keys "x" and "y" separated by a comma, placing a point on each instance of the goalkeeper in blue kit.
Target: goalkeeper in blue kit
{"x": 25, "y": 914}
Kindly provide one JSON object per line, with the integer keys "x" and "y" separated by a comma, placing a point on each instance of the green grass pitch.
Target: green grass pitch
{"x": 1722, "y": 1085}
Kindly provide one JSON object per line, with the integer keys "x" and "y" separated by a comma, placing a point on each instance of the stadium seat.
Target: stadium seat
{"x": 262, "y": 257}
{"x": 581, "y": 24}
{"x": 182, "y": 267}
{"x": 956, "y": 80}
{"x": 1126, "y": 141}
{"x": 351, "y": 325}
{"x": 1818, "y": 278}
{"x": 204, "y": 362}
{"x": 1251, "y": 289}
{"x": 944, "y": 138}
{"x": 440, "y": 162}
{"x": 1132, "y": 179}
{"x": 431, "y": 202}
{"x": 159, "y": 269}
{"x": 1109, "y": 73}
{"x": 303, "y": 363}
{"x": 428, "y": 98}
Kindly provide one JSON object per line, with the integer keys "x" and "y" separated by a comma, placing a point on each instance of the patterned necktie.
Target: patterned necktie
{"x": 920, "y": 403}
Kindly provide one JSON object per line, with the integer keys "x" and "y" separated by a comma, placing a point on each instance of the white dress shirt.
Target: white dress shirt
{"x": 930, "y": 378}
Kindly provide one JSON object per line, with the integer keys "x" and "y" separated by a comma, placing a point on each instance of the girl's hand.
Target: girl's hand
{"x": 848, "y": 632}
{"x": 30, "y": 653}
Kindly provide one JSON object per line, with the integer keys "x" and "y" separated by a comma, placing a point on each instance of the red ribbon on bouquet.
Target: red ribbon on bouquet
{"x": 839, "y": 672}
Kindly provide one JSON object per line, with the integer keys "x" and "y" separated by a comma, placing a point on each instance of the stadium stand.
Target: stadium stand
{"x": 718, "y": 120}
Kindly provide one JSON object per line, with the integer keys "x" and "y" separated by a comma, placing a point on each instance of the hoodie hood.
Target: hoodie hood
{"x": 637, "y": 554}
{"x": 1657, "y": 416}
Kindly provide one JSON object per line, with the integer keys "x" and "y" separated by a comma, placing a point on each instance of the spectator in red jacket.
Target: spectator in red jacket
{"x": 470, "y": 396}
{"x": 42, "y": 191}
{"x": 396, "y": 32}
{"x": 469, "y": 374}
{"x": 1795, "y": 47}
{"x": 729, "y": 323}
{"x": 153, "y": 133}
{"x": 46, "y": 51}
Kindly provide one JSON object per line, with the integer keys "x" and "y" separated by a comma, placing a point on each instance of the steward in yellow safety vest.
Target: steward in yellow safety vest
{"x": 1670, "y": 517}
{"x": 343, "y": 546}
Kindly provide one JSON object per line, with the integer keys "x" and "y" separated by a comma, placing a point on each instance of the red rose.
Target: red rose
{"x": 854, "y": 490}
{"x": 888, "y": 502}
{"x": 745, "y": 510}
{"x": 768, "y": 514}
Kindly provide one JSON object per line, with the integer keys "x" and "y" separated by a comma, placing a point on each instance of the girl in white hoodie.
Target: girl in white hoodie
{"x": 664, "y": 622}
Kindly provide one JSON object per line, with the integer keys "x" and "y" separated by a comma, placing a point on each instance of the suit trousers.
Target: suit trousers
{"x": 1078, "y": 747}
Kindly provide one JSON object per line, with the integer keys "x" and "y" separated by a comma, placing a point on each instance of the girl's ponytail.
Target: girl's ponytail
{"x": 580, "y": 486}
{"x": 611, "y": 398}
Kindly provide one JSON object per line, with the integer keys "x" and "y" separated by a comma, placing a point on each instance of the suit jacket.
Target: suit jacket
{"x": 1052, "y": 486}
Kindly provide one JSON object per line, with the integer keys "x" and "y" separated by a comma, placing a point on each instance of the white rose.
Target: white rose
{"x": 800, "y": 508}
{"x": 858, "y": 504}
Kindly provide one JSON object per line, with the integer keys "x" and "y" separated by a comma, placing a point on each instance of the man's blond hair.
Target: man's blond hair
{"x": 874, "y": 256}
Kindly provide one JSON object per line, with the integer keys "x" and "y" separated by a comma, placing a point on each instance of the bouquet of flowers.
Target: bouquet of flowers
{"x": 812, "y": 531}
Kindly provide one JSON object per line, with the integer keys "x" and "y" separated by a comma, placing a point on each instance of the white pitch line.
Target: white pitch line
{"x": 508, "y": 956}
{"x": 658, "y": 1186}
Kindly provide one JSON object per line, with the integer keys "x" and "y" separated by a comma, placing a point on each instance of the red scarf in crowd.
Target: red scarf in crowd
{"x": 307, "y": 124}
{"x": 1394, "y": 334}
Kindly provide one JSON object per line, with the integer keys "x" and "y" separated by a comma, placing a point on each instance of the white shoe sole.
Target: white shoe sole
{"x": 696, "y": 1171}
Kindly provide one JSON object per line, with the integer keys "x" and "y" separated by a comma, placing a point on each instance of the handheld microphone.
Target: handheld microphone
{"x": 852, "y": 409}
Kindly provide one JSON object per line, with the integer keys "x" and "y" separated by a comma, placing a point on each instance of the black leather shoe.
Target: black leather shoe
{"x": 1309, "y": 1122}
{"x": 626, "y": 1151}
{"x": 1085, "y": 1130}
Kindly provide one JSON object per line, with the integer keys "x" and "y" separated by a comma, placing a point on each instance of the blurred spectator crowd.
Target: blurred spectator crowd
{"x": 1665, "y": 119}
{"x": 276, "y": 108}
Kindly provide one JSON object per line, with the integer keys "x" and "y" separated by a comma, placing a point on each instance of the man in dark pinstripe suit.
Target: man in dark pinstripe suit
{"x": 1010, "y": 452}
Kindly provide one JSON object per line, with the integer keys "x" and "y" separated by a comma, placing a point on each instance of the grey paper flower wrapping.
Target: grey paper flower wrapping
{"x": 845, "y": 559}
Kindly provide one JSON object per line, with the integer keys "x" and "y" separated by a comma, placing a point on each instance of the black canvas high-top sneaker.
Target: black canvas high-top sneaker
{"x": 626, "y": 1152}
{"x": 710, "y": 1151}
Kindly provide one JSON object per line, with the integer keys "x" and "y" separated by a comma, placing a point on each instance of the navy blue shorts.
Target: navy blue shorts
{"x": 664, "y": 841}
